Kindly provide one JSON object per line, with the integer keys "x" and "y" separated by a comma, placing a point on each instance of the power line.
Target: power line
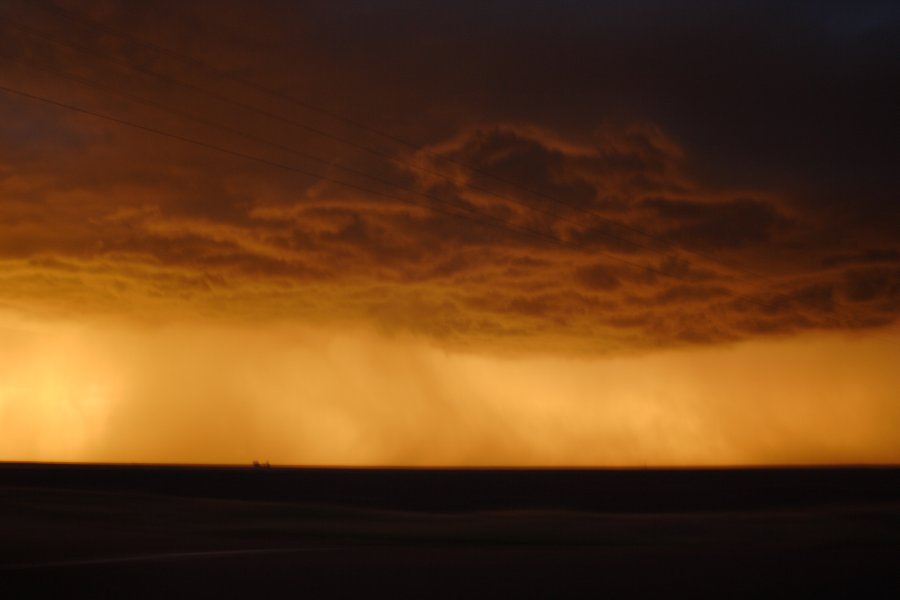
{"x": 212, "y": 124}
{"x": 480, "y": 218}
{"x": 100, "y": 26}
{"x": 97, "y": 25}
{"x": 491, "y": 221}
{"x": 208, "y": 123}
{"x": 245, "y": 106}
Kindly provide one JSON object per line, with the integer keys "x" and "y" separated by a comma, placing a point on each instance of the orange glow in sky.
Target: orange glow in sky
{"x": 627, "y": 256}
{"x": 291, "y": 395}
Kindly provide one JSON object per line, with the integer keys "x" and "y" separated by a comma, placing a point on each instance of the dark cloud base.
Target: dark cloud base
{"x": 711, "y": 210}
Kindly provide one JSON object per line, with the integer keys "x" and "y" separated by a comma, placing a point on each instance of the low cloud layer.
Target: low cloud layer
{"x": 604, "y": 231}
{"x": 607, "y": 245}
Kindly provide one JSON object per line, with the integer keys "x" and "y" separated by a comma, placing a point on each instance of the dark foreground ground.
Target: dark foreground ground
{"x": 136, "y": 531}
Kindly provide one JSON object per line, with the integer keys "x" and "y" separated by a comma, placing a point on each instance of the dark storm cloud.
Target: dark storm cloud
{"x": 714, "y": 226}
{"x": 510, "y": 157}
{"x": 597, "y": 277}
{"x": 766, "y": 91}
{"x": 643, "y": 160}
{"x": 873, "y": 255}
{"x": 874, "y": 285}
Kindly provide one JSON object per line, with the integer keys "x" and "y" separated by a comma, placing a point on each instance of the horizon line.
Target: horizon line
{"x": 263, "y": 465}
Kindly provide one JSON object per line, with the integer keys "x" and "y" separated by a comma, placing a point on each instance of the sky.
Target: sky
{"x": 425, "y": 233}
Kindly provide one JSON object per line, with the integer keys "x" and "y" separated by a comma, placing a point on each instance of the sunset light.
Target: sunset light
{"x": 467, "y": 298}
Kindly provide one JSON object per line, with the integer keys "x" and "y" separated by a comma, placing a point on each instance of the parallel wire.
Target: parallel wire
{"x": 498, "y": 223}
{"x": 245, "y": 106}
{"x": 97, "y": 25}
{"x": 249, "y": 136}
{"x": 178, "y": 82}
{"x": 104, "y": 27}
{"x": 473, "y": 215}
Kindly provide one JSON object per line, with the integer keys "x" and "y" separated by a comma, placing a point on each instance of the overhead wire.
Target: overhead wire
{"x": 502, "y": 224}
{"x": 99, "y": 26}
{"x": 474, "y": 216}
{"x": 178, "y": 82}
{"x": 226, "y": 128}
{"x": 76, "y": 16}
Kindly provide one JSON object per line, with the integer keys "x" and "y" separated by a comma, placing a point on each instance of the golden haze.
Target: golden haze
{"x": 192, "y": 393}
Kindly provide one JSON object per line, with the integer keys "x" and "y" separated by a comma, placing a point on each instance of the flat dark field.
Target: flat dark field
{"x": 153, "y": 531}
